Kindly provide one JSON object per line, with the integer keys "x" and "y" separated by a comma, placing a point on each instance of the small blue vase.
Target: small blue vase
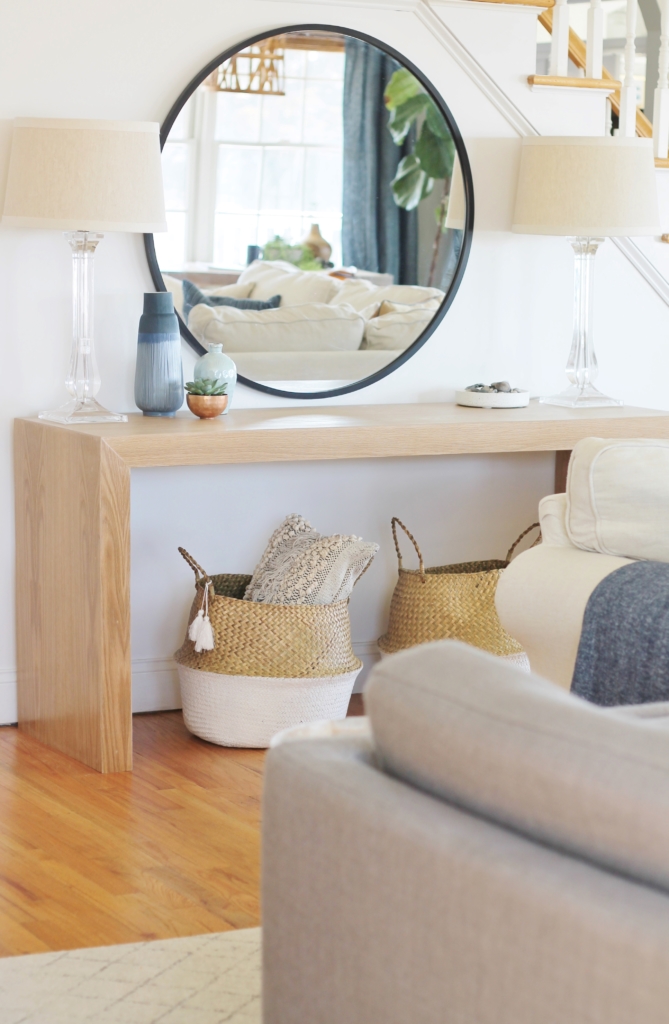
{"x": 217, "y": 366}
{"x": 159, "y": 380}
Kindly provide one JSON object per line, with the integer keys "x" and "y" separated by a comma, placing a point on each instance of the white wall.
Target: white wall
{"x": 510, "y": 319}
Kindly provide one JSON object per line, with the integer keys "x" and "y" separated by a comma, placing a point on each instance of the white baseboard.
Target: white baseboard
{"x": 155, "y": 684}
{"x": 8, "y": 714}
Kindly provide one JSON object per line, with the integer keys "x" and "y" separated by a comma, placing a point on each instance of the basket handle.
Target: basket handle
{"x": 200, "y": 574}
{"x": 515, "y": 544}
{"x": 394, "y": 523}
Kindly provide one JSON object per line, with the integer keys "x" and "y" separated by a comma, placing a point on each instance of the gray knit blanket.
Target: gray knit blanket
{"x": 623, "y": 654}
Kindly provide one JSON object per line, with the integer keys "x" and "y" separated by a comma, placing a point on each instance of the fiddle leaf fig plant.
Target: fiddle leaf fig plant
{"x": 433, "y": 153}
{"x": 209, "y": 387}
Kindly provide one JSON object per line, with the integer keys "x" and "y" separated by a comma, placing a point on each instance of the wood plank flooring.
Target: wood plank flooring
{"x": 170, "y": 849}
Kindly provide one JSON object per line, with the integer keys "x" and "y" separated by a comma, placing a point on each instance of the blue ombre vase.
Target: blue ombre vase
{"x": 215, "y": 365}
{"x": 159, "y": 379}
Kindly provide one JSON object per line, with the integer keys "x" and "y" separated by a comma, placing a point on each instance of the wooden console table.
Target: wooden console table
{"x": 73, "y": 528}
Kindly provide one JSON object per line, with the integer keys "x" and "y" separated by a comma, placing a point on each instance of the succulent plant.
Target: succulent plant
{"x": 210, "y": 388}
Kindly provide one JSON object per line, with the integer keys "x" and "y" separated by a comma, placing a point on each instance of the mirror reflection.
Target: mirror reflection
{"x": 315, "y": 210}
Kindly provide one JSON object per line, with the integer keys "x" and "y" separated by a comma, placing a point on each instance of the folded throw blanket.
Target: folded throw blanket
{"x": 623, "y": 653}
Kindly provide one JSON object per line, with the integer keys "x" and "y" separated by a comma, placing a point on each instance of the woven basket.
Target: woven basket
{"x": 448, "y": 602}
{"x": 273, "y": 666}
{"x": 293, "y": 641}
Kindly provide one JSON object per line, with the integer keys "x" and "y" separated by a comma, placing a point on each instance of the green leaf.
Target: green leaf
{"x": 411, "y": 183}
{"x": 435, "y": 120}
{"x": 436, "y": 154}
{"x": 208, "y": 386}
{"x": 309, "y": 262}
{"x": 401, "y": 87}
{"x": 402, "y": 117}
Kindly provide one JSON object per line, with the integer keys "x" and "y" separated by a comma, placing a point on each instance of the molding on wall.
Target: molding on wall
{"x": 645, "y": 267}
{"x": 475, "y": 71}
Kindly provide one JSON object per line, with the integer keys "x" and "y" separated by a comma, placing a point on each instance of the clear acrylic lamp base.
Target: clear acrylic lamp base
{"x": 83, "y": 379}
{"x": 86, "y": 410}
{"x": 582, "y": 366}
{"x": 587, "y": 397}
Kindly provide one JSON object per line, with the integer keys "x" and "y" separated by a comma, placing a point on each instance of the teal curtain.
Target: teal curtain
{"x": 376, "y": 234}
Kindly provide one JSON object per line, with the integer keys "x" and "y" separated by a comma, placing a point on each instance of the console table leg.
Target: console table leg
{"x": 561, "y": 466}
{"x": 73, "y": 594}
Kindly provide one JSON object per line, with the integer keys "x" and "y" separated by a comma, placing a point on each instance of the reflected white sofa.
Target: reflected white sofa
{"x": 615, "y": 510}
{"x": 495, "y": 851}
{"x": 325, "y": 328}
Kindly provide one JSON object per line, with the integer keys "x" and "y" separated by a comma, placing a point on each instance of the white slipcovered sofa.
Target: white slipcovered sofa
{"x": 325, "y": 328}
{"x": 615, "y": 510}
{"x": 495, "y": 851}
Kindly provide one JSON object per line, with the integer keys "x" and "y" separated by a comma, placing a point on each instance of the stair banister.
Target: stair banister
{"x": 661, "y": 99}
{"x": 627, "y": 123}
{"x": 595, "y": 41}
{"x": 559, "y": 62}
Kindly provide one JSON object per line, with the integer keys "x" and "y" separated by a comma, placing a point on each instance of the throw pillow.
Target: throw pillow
{"x": 281, "y": 543}
{"x": 396, "y": 330}
{"x": 315, "y": 327}
{"x": 192, "y": 296}
{"x": 297, "y": 287}
{"x": 301, "y": 567}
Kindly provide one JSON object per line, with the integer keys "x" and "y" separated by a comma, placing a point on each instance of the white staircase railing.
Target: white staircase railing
{"x": 627, "y": 115}
{"x": 595, "y": 49}
{"x": 559, "y": 63}
{"x": 588, "y": 57}
{"x": 661, "y": 103}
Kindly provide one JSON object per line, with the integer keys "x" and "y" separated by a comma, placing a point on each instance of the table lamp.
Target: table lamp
{"x": 587, "y": 189}
{"x": 84, "y": 178}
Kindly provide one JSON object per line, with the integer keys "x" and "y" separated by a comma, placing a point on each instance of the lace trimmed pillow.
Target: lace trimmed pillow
{"x": 280, "y": 546}
{"x": 301, "y": 567}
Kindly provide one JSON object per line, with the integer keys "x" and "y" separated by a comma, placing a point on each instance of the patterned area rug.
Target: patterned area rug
{"x": 203, "y": 979}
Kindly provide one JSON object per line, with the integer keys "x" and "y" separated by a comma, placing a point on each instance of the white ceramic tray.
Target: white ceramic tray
{"x": 493, "y": 399}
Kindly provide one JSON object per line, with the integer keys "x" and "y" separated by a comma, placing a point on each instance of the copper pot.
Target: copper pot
{"x": 207, "y": 406}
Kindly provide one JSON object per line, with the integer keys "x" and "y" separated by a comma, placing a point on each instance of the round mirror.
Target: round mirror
{"x": 319, "y": 208}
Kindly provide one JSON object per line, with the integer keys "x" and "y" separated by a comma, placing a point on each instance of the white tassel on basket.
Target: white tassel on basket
{"x": 195, "y": 626}
{"x": 200, "y": 631}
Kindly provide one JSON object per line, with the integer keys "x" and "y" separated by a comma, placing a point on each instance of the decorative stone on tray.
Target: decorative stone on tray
{"x": 499, "y": 395}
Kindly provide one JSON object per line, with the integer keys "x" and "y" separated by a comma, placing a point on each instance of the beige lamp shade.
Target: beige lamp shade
{"x": 456, "y": 214}
{"x": 588, "y": 187}
{"x": 80, "y": 175}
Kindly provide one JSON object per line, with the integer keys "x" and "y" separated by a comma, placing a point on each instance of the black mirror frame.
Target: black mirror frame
{"x": 468, "y": 183}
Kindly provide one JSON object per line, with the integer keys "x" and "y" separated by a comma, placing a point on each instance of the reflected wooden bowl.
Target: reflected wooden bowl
{"x": 207, "y": 406}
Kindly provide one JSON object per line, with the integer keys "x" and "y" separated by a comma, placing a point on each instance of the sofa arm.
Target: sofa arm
{"x": 541, "y": 598}
{"x": 383, "y": 905}
{"x": 553, "y": 521}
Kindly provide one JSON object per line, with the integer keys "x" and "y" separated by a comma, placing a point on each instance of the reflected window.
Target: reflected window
{"x": 255, "y": 165}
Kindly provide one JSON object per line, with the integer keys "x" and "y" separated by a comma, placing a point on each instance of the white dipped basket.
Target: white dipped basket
{"x": 247, "y": 711}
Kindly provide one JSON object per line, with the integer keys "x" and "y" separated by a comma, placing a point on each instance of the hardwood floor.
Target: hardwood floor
{"x": 171, "y": 849}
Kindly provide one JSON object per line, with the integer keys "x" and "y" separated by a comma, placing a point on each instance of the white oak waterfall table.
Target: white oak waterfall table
{"x": 73, "y": 527}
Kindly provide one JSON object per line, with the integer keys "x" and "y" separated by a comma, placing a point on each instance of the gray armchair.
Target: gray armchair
{"x": 496, "y": 851}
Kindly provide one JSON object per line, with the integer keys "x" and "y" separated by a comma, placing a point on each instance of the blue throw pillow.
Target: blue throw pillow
{"x": 194, "y": 297}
